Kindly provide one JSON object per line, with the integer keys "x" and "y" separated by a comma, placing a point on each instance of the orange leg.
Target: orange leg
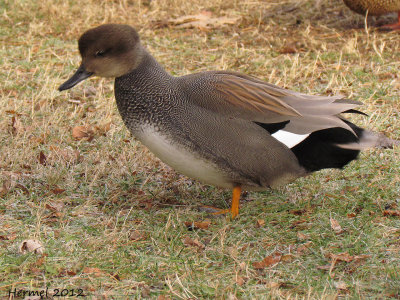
{"x": 234, "y": 210}
{"x": 235, "y": 201}
{"x": 395, "y": 26}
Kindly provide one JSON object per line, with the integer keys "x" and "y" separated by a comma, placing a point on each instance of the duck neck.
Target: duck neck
{"x": 146, "y": 65}
{"x": 141, "y": 91}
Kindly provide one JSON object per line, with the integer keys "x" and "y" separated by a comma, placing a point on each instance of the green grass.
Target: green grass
{"x": 117, "y": 230}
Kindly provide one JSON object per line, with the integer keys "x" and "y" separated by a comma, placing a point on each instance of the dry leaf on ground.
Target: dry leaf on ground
{"x": 94, "y": 271}
{"x": 324, "y": 267}
{"x": 55, "y": 206}
{"x": 268, "y": 261}
{"x": 102, "y": 129}
{"x": 5, "y": 188}
{"x": 345, "y": 257}
{"x": 31, "y": 246}
{"x": 336, "y": 226}
{"x": 16, "y": 126}
{"x": 240, "y": 280}
{"x": 288, "y": 49}
{"x": 57, "y": 191}
{"x": 68, "y": 155}
{"x": 273, "y": 285}
{"x": 303, "y": 248}
{"x": 287, "y": 258}
{"x": 203, "y": 20}
{"x": 260, "y": 223}
{"x": 193, "y": 242}
{"x": 42, "y": 158}
{"x": 340, "y": 285}
{"x": 302, "y": 236}
{"x": 137, "y": 236}
{"x": 162, "y": 297}
{"x": 81, "y": 132}
{"x": 198, "y": 225}
{"x": 9, "y": 237}
{"x": 392, "y": 213}
{"x": 351, "y": 215}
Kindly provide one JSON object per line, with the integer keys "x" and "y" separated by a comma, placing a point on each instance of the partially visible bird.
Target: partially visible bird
{"x": 376, "y": 8}
{"x": 222, "y": 128}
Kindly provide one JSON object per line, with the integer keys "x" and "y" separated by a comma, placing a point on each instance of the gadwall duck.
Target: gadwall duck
{"x": 376, "y": 8}
{"x": 222, "y": 128}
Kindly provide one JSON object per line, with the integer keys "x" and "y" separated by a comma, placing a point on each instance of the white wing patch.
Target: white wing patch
{"x": 288, "y": 138}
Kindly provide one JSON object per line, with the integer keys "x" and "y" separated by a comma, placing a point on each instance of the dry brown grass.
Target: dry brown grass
{"x": 122, "y": 210}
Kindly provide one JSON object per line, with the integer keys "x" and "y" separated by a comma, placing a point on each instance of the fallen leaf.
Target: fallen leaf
{"x": 23, "y": 188}
{"x": 268, "y": 261}
{"x": 40, "y": 104}
{"x": 53, "y": 217}
{"x": 351, "y": 215}
{"x": 103, "y": 128}
{"x": 342, "y": 257}
{"x": 89, "y": 91}
{"x": 80, "y": 132}
{"x": 137, "y": 236}
{"x": 198, "y": 225}
{"x": 288, "y": 49}
{"x": 145, "y": 291}
{"x": 392, "y": 213}
{"x": 287, "y": 258}
{"x": 336, "y": 226}
{"x": 16, "y": 125}
{"x": 273, "y": 285}
{"x": 31, "y": 246}
{"x": 70, "y": 273}
{"x": 203, "y": 20}
{"x": 242, "y": 266}
{"x": 302, "y": 236}
{"x": 55, "y": 206}
{"x": 324, "y": 267}
{"x": 40, "y": 261}
{"x": 260, "y": 223}
{"x": 298, "y": 212}
{"x": 37, "y": 140}
{"x": 94, "y": 271}
{"x": 42, "y": 158}
{"x": 13, "y": 112}
{"x": 9, "y": 237}
{"x": 345, "y": 256}
{"x": 68, "y": 155}
{"x": 162, "y": 297}
{"x": 57, "y": 191}
{"x": 190, "y": 242}
{"x": 303, "y": 248}
{"x": 239, "y": 280}
{"x": 340, "y": 285}
{"x": 5, "y": 188}
{"x": 298, "y": 223}
{"x": 361, "y": 257}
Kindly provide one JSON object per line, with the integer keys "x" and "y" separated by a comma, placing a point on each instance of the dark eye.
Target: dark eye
{"x": 100, "y": 53}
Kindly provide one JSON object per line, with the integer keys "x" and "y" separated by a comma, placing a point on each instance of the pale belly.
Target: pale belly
{"x": 183, "y": 161}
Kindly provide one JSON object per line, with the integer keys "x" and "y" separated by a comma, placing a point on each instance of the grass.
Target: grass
{"x": 111, "y": 216}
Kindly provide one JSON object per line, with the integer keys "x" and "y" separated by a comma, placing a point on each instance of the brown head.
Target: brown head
{"x": 109, "y": 50}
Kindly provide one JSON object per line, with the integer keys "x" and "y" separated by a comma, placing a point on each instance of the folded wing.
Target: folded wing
{"x": 242, "y": 96}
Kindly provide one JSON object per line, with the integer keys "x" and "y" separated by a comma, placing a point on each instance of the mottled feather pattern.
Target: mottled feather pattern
{"x": 374, "y": 7}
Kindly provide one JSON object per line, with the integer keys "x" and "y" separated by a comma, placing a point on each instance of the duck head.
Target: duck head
{"x": 109, "y": 50}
